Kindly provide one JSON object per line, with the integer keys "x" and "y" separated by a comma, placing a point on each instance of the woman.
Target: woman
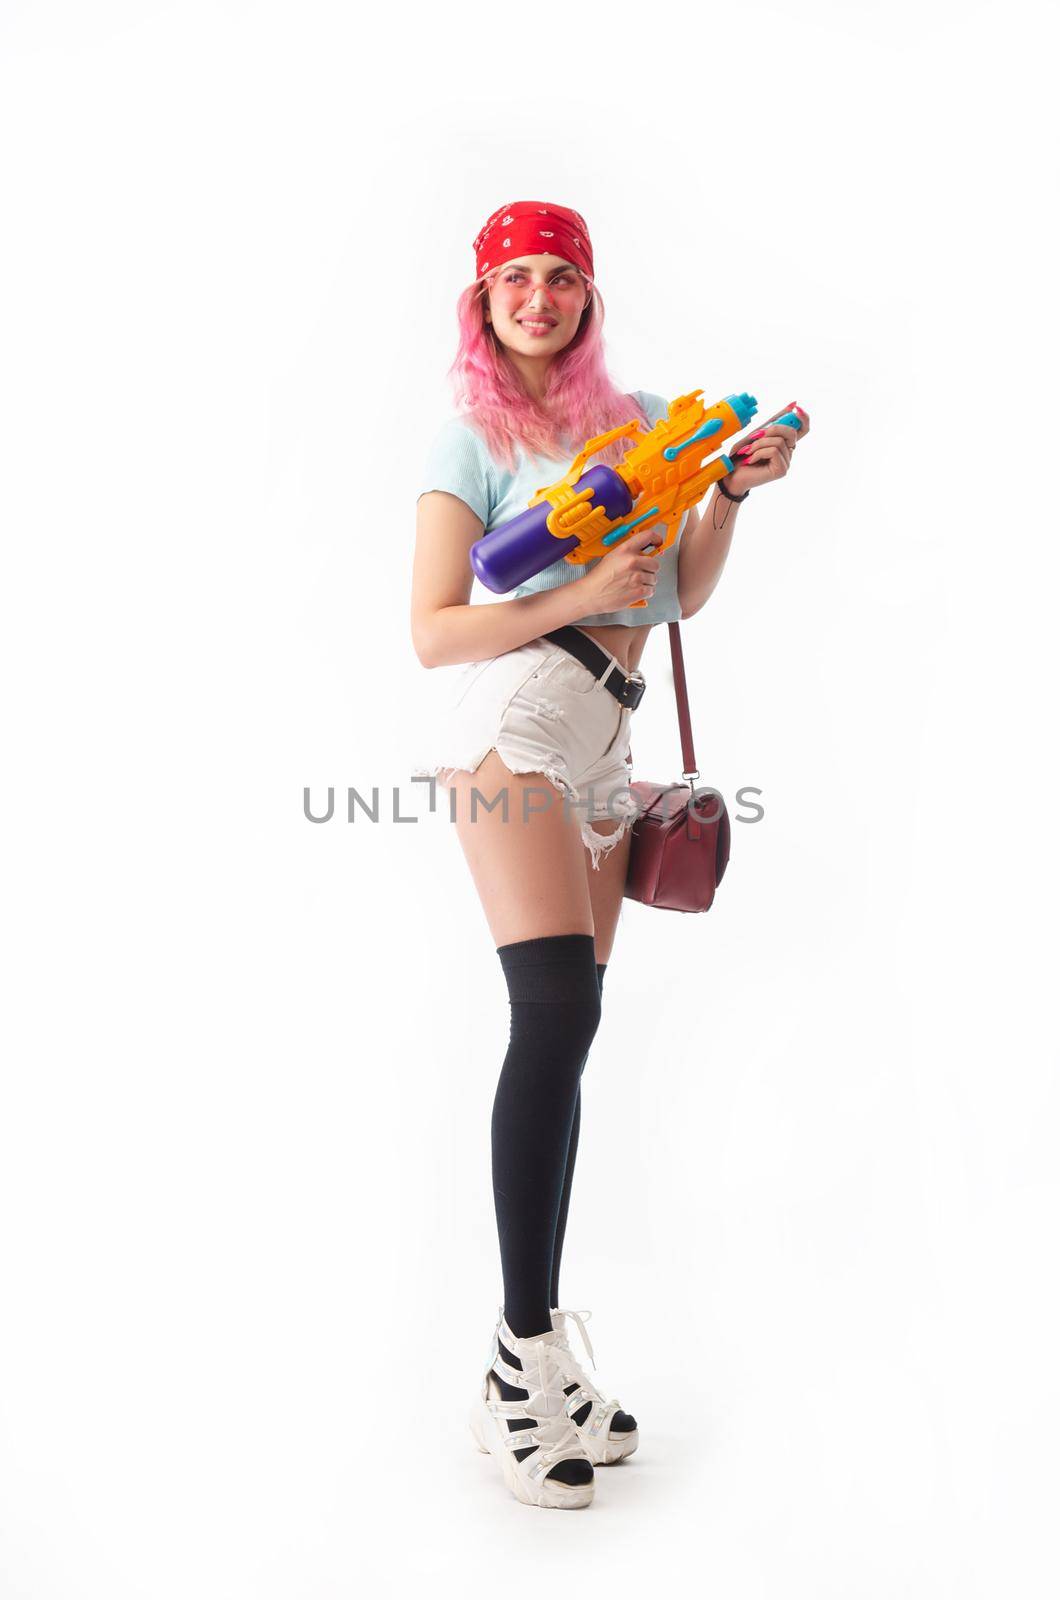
{"x": 539, "y": 727}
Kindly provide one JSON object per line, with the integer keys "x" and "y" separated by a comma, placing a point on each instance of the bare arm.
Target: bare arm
{"x": 705, "y": 542}
{"x": 447, "y": 629}
{"x": 703, "y": 550}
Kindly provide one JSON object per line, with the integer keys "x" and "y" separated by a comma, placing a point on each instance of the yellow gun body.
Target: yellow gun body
{"x": 663, "y": 469}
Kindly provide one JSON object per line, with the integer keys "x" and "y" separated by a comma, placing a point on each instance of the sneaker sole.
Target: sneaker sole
{"x": 547, "y": 1492}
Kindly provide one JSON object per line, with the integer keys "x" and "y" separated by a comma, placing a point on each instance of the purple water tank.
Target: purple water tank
{"x": 520, "y": 549}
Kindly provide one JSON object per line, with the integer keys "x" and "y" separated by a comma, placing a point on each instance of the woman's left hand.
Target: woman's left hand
{"x": 765, "y": 456}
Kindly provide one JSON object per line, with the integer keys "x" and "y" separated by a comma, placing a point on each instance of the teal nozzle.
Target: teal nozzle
{"x": 744, "y": 405}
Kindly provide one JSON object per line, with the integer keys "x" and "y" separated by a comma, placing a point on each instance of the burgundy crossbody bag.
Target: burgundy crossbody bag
{"x": 680, "y": 846}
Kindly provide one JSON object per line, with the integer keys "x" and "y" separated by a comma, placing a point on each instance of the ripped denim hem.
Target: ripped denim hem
{"x": 601, "y": 844}
{"x": 624, "y": 810}
{"x": 519, "y": 769}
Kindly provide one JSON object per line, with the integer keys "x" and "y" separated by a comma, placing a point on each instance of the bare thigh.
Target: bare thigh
{"x": 535, "y": 878}
{"x": 607, "y": 887}
{"x": 530, "y": 875}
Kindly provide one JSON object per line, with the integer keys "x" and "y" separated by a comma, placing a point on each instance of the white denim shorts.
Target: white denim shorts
{"x": 543, "y": 711}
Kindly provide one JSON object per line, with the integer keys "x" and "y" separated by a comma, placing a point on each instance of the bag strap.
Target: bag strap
{"x": 688, "y": 754}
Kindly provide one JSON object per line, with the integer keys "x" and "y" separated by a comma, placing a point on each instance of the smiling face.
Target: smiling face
{"x": 536, "y": 303}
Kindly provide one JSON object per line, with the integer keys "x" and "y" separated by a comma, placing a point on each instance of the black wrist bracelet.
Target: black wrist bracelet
{"x": 735, "y": 498}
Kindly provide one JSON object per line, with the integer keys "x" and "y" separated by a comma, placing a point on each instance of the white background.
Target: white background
{"x": 248, "y": 1257}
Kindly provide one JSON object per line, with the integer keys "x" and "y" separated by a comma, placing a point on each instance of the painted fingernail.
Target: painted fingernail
{"x": 759, "y": 434}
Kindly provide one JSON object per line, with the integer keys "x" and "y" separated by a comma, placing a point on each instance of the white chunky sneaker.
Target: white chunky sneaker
{"x": 607, "y": 1432}
{"x": 537, "y": 1445}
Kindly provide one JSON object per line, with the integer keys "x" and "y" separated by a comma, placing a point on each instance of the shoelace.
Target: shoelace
{"x": 556, "y": 1434}
{"x": 551, "y": 1364}
{"x": 605, "y": 1408}
{"x": 578, "y": 1317}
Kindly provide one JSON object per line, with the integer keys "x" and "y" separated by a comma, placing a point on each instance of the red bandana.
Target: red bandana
{"x": 531, "y": 228}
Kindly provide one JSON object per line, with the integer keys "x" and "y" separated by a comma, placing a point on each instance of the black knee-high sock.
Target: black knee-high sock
{"x": 568, "y": 1178}
{"x": 554, "y": 992}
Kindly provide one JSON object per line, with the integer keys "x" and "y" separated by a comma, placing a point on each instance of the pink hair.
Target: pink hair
{"x": 580, "y": 399}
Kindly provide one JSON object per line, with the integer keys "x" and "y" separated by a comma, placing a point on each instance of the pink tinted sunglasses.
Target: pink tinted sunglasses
{"x": 564, "y": 285}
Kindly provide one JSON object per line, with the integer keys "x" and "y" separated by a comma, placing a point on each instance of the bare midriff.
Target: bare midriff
{"x": 625, "y": 644}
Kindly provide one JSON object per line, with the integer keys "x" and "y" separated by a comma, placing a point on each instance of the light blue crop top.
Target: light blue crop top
{"x": 459, "y": 463}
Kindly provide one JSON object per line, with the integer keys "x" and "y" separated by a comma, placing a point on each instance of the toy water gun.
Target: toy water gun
{"x": 663, "y": 474}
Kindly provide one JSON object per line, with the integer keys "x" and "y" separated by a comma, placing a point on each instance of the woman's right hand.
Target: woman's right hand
{"x": 624, "y": 575}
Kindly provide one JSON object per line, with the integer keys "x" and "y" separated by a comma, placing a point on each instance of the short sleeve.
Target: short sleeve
{"x": 456, "y": 462}
{"x": 655, "y": 406}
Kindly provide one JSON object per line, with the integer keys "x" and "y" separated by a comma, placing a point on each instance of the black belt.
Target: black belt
{"x": 627, "y": 690}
